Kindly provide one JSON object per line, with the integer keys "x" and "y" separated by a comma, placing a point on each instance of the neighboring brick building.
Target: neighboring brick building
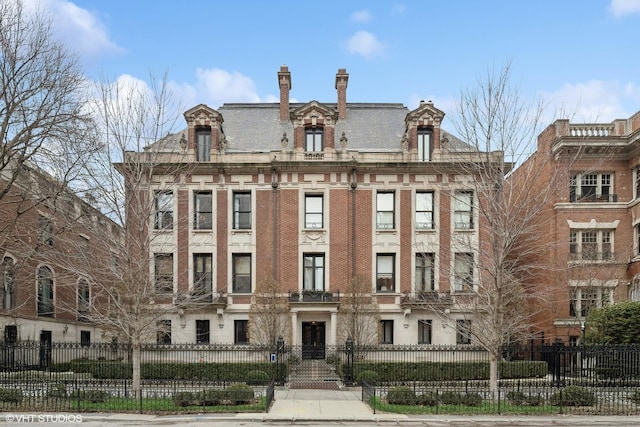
{"x": 311, "y": 195}
{"x": 54, "y": 246}
{"x": 591, "y": 234}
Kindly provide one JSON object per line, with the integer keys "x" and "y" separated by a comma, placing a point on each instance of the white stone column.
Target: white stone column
{"x": 294, "y": 328}
{"x": 334, "y": 327}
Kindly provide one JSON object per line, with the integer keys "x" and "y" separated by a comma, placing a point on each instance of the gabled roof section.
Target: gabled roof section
{"x": 202, "y": 115}
{"x": 317, "y": 109}
{"x": 427, "y": 113}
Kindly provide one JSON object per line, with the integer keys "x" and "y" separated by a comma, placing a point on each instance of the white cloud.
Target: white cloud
{"x": 361, "y": 16}
{"x": 624, "y": 7}
{"x": 219, "y": 86}
{"x": 365, "y": 44}
{"x": 78, "y": 28}
{"x": 593, "y": 101}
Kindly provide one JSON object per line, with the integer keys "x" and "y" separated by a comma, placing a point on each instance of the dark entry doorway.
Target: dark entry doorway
{"x": 313, "y": 340}
{"x": 45, "y": 348}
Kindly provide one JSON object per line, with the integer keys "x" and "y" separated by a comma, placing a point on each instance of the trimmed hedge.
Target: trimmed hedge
{"x": 574, "y": 395}
{"x": 449, "y": 371}
{"x": 183, "y": 371}
{"x": 10, "y": 395}
{"x": 235, "y": 394}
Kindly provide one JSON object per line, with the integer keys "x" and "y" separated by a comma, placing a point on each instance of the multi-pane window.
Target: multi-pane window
{"x": 385, "y": 272}
{"x": 385, "y": 204}
{"x": 585, "y": 298}
{"x": 591, "y": 245}
{"x": 424, "y": 272}
{"x": 203, "y": 144}
{"x": 85, "y": 338}
{"x": 463, "y": 272}
{"x": 386, "y": 332}
{"x": 314, "y": 272}
{"x": 241, "y": 332}
{"x": 463, "y": 331}
{"x": 202, "y": 208}
{"x": 241, "y": 273}
{"x": 241, "y": 211}
{"x": 424, "y": 331}
{"x": 163, "y": 331}
{"x": 8, "y": 283}
{"x": 164, "y": 210}
{"x": 164, "y": 273}
{"x": 424, "y": 210}
{"x": 84, "y": 295}
{"x": 637, "y": 182}
{"x": 590, "y": 187}
{"x": 313, "y": 211}
{"x": 463, "y": 210}
{"x": 424, "y": 143}
{"x": 46, "y": 230}
{"x": 202, "y": 277}
{"x": 45, "y": 292}
{"x": 637, "y": 231}
{"x": 202, "y": 332}
{"x": 314, "y": 139}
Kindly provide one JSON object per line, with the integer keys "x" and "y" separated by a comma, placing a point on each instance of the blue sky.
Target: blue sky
{"x": 580, "y": 56}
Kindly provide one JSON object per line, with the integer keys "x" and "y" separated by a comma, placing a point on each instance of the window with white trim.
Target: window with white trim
{"x": 8, "y": 283}
{"x": 585, "y": 298}
{"x": 463, "y": 210}
{"x": 425, "y": 136}
{"x": 241, "y": 273}
{"x": 313, "y": 206}
{"x": 314, "y": 139}
{"x": 202, "y": 277}
{"x": 385, "y": 272}
{"x": 591, "y": 245}
{"x": 202, "y": 209}
{"x": 313, "y": 279}
{"x": 203, "y": 144}
{"x": 386, "y": 332}
{"x": 424, "y": 272}
{"x": 463, "y": 272}
{"x": 424, "y": 210}
{"x": 424, "y": 331}
{"x": 463, "y": 331}
{"x": 241, "y": 211}
{"x": 164, "y": 273}
{"x": 385, "y": 210}
{"x": 591, "y": 187}
{"x": 164, "y": 210}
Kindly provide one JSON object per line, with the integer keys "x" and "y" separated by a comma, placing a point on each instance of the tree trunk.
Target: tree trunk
{"x": 135, "y": 357}
{"x": 493, "y": 374}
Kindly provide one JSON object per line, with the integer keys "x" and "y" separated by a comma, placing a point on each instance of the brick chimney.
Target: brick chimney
{"x": 284, "y": 80}
{"x": 341, "y": 85}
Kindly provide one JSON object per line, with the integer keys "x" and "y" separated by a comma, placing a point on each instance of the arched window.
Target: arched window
{"x": 45, "y": 292}
{"x": 8, "y": 284}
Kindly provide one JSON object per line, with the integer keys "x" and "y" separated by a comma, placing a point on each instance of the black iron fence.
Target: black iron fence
{"x": 190, "y": 377}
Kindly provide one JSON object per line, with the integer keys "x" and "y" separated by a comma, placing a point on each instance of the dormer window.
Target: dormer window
{"x": 314, "y": 139}
{"x": 203, "y": 144}
{"x": 425, "y": 137}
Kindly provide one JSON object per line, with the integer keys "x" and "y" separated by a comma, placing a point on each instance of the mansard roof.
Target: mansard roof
{"x": 256, "y": 127}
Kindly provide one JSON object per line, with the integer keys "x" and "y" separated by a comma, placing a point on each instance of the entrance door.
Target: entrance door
{"x": 45, "y": 348}
{"x": 313, "y": 340}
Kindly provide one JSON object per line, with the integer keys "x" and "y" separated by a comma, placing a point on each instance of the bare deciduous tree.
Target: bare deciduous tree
{"x": 269, "y": 315}
{"x": 492, "y": 296}
{"x": 42, "y": 123}
{"x": 358, "y": 316}
{"x": 139, "y": 295}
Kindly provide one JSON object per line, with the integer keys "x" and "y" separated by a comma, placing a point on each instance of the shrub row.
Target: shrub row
{"x": 235, "y": 394}
{"x": 257, "y": 372}
{"x": 445, "y": 371}
{"x": 404, "y": 395}
{"x": 10, "y": 395}
{"x": 569, "y": 396}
